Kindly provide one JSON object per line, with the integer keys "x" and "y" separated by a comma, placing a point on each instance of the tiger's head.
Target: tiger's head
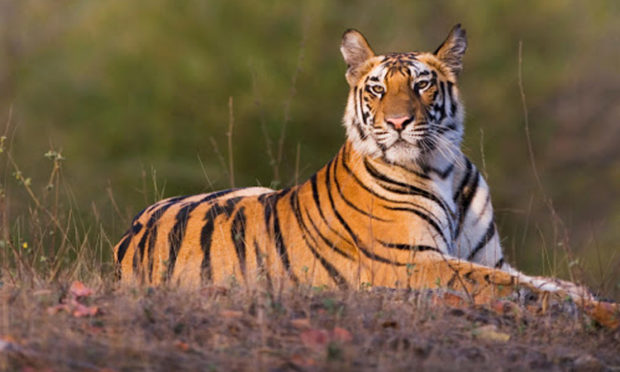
{"x": 404, "y": 107}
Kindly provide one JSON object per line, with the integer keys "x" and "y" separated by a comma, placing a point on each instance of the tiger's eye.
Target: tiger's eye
{"x": 377, "y": 89}
{"x": 422, "y": 84}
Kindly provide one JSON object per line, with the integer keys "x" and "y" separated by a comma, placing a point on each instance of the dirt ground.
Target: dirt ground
{"x": 78, "y": 328}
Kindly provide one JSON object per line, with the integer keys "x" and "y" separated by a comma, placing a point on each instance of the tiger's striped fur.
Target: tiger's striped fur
{"x": 398, "y": 206}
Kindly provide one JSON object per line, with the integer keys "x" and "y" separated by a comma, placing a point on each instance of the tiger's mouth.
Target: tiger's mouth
{"x": 420, "y": 135}
{"x": 425, "y": 144}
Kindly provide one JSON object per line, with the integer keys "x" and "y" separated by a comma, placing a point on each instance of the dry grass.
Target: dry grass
{"x": 307, "y": 329}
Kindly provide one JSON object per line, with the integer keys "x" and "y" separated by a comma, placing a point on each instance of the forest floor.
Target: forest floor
{"x": 72, "y": 326}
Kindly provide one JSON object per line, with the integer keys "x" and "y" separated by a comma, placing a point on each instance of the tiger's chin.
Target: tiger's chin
{"x": 404, "y": 153}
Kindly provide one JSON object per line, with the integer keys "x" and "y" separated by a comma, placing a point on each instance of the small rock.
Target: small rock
{"x": 588, "y": 363}
{"x": 490, "y": 332}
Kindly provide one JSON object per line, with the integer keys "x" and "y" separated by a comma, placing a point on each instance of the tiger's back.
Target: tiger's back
{"x": 337, "y": 229}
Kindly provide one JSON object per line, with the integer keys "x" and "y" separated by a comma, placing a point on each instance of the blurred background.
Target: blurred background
{"x": 137, "y": 96}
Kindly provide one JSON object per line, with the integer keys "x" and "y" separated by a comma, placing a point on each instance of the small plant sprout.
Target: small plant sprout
{"x": 54, "y": 156}
{"x": 26, "y": 181}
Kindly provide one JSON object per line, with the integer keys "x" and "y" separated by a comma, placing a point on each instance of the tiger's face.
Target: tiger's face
{"x": 404, "y": 107}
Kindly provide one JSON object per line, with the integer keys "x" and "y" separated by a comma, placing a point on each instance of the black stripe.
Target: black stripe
{"x": 327, "y": 242}
{"x": 499, "y": 263}
{"x": 409, "y": 189}
{"x": 357, "y": 102}
{"x": 294, "y": 203}
{"x": 122, "y": 247}
{"x": 438, "y": 105}
{"x": 206, "y": 237}
{"x": 206, "y": 234}
{"x": 348, "y": 202}
{"x": 372, "y": 192}
{"x": 166, "y": 201}
{"x": 364, "y": 186}
{"x": 422, "y": 174}
{"x": 217, "y": 194}
{"x": 150, "y": 233}
{"x": 331, "y": 270}
{"x": 451, "y": 97}
{"x": 315, "y": 195}
{"x": 408, "y": 247}
{"x": 346, "y": 226}
{"x": 127, "y": 238}
{"x": 177, "y": 233}
{"x": 135, "y": 229}
{"x": 317, "y": 202}
{"x": 175, "y": 238}
{"x": 488, "y": 235}
{"x": 361, "y": 108}
{"x": 442, "y": 174}
{"x": 464, "y": 181}
{"x": 360, "y": 132}
{"x": 467, "y": 197}
{"x": 271, "y": 219}
{"x": 237, "y": 234}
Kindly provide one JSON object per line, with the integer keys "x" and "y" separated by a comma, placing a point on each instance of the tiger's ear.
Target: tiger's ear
{"x": 453, "y": 48}
{"x": 355, "y": 50}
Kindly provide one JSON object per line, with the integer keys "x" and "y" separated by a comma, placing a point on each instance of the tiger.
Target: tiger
{"x": 399, "y": 205}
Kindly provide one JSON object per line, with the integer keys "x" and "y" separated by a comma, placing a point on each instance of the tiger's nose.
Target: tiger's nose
{"x": 399, "y": 123}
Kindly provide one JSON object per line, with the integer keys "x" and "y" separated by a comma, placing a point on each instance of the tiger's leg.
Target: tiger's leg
{"x": 483, "y": 284}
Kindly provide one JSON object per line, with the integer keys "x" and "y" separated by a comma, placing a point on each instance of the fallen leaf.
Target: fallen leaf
{"x": 183, "y": 346}
{"x": 606, "y": 313}
{"x": 78, "y": 289}
{"x": 318, "y": 338}
{"x": 449, "y": 299}
{"x": 341, "y": 335}
{"x": 315, "y": 338}
{"x": 302, "y": 361}
{"x": 505, "y": 307}
{"x": 301, "y": 323}
{"x": 80, "y": 311}
{"x": 231, "y": 314}
{"x": 490, "y": 332}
